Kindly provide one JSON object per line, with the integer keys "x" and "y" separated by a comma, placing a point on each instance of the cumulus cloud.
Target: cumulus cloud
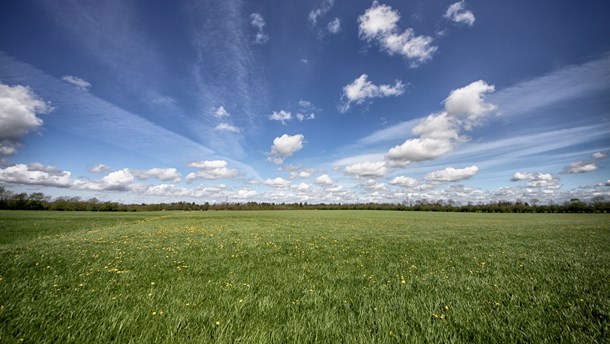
{"x": 537, "y": 180}
{"x": 367, "y": 169}
{"x": 438, "y": 133}
{"x": 245, "y": 193}
{"x": 210, "y": 169}
{"x": 99, "y": 168}
{"x": 324, "y": 180}
{"x": 404, "y": 181}
{"x": 278, "y": 182}
{"x": 451, "y": 174}
{"x": 35, "y": 174}
{"x": 361, "y": 89}
{"x": 226, "y": 127}
{"x": 285, "y": 146}
{"x": 281, "y": 116}
{"x": 19, "y": 107}
{"x": 379, "y": 24}
{"x": 334, "y": 26}
{"x": 457, "y": 13}
{"x": 581, "y": 167}
{"x": 77, "y": 82}
{"x": 257, "y": 21}
{"x": 117, "y": 181}
{"x": 585, "y": 166}
{"x": 165, "y": 174}
{"x": 320, "y": 11}
{"x": 221, "y": 112}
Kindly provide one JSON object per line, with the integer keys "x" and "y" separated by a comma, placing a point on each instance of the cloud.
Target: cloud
{"x": 321, "y": 11}
{"x": 244, "y": 194}
{"x": 301, "y": 117}
{"x": 278, "y": 183}
{"x": 303, "y": 187}
{"x": 79, "y": 83}
{"x": 585, "y": 166}
{"x": 324, "y": 180}
{"x": 537, "y": 180}
{"x": 457, "y": 13}
{"x": 99, "y": 168}
{"x": 210, "y": 169}
{"x": 281, "y": 116}
{"x": 118, "y": 180}
{"x": 35, "y": 174}
{"x": 226, "y": 127}
{"x": 404, "y": 181}
{"x": 581, "y": 167}
{"x": 221, "y": 112}
{"x": 367, "y": 169}
{"x": 165, "y": 174}
{"x": 438, "y": 133}
{"x": 379, "y": 24}
{"x": 258, "y": 22}
{"x": 19, "y": 107}
{"x": 361, "y": 89}
{"x": 599, "y": 155}
{"x": 562, "y": 85}
{"x": 285, "y": 146}
{"x": 334, "y": 26}
{"x": 451, "y": 174}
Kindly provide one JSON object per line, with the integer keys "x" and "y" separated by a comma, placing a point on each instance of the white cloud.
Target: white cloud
{"x": 379, "y": 23}
{"x": 257, "y": 21}
{"x": 303, "y": 187}
{"x": 367, "y": 169}
{"x": 79, "y": 83}
{"x": 334, "y": 26}
{"x": 419, "y": 149}
{"x": 35, "y": 174}
{"x": 245, "y": 193}
{"x": 581, "y": 167}
{"x": 19, "y": 107}
{"x": 585, "y": 166}
{"x": 469, "y": 101}
{"x": 301, "y": 117}
{"x": 321, "y": 11}
{"x": 226, "y": 127}
{"x": 405, "y": 181}
{"x": 451, "y": 174}
{"x": 324, "y": 180}
{"x": 439, "y": 132}
{"x": 281, "y": 116}
{"x": 221, "y": 112}
{"x": 210, "y": 169}
{"x": 278, "y": 182}
{"x": 165, "y": 174}
{"x": 118, "y": 180}
{"x": 99, "y": 168}
{"x": 457, "y": 13}
{"x": 372, "y": 185}
{"x": 537, "y": 180}
{"x": 361, "y": 89}
{"x": 285, "y": 146}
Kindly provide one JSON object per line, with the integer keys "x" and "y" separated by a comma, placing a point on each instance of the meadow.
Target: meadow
{"x": 303, "y": 277}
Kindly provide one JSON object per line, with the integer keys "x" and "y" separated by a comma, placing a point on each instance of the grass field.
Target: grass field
{"x": 303, "y": 276}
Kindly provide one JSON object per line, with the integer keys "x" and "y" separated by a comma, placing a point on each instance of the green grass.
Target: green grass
{"x": 303, "y": 276}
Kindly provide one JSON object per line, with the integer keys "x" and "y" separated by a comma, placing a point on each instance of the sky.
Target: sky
{"x": 322, "y": 101}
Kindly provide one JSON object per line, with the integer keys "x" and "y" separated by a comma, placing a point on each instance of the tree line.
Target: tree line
{"x": 39, "y": 201}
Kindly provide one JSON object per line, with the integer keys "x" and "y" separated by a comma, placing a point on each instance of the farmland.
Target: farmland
{"x": 303, "y": 276}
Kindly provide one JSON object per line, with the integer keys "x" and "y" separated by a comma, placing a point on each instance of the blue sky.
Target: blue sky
{"x": 305, "y": 101}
